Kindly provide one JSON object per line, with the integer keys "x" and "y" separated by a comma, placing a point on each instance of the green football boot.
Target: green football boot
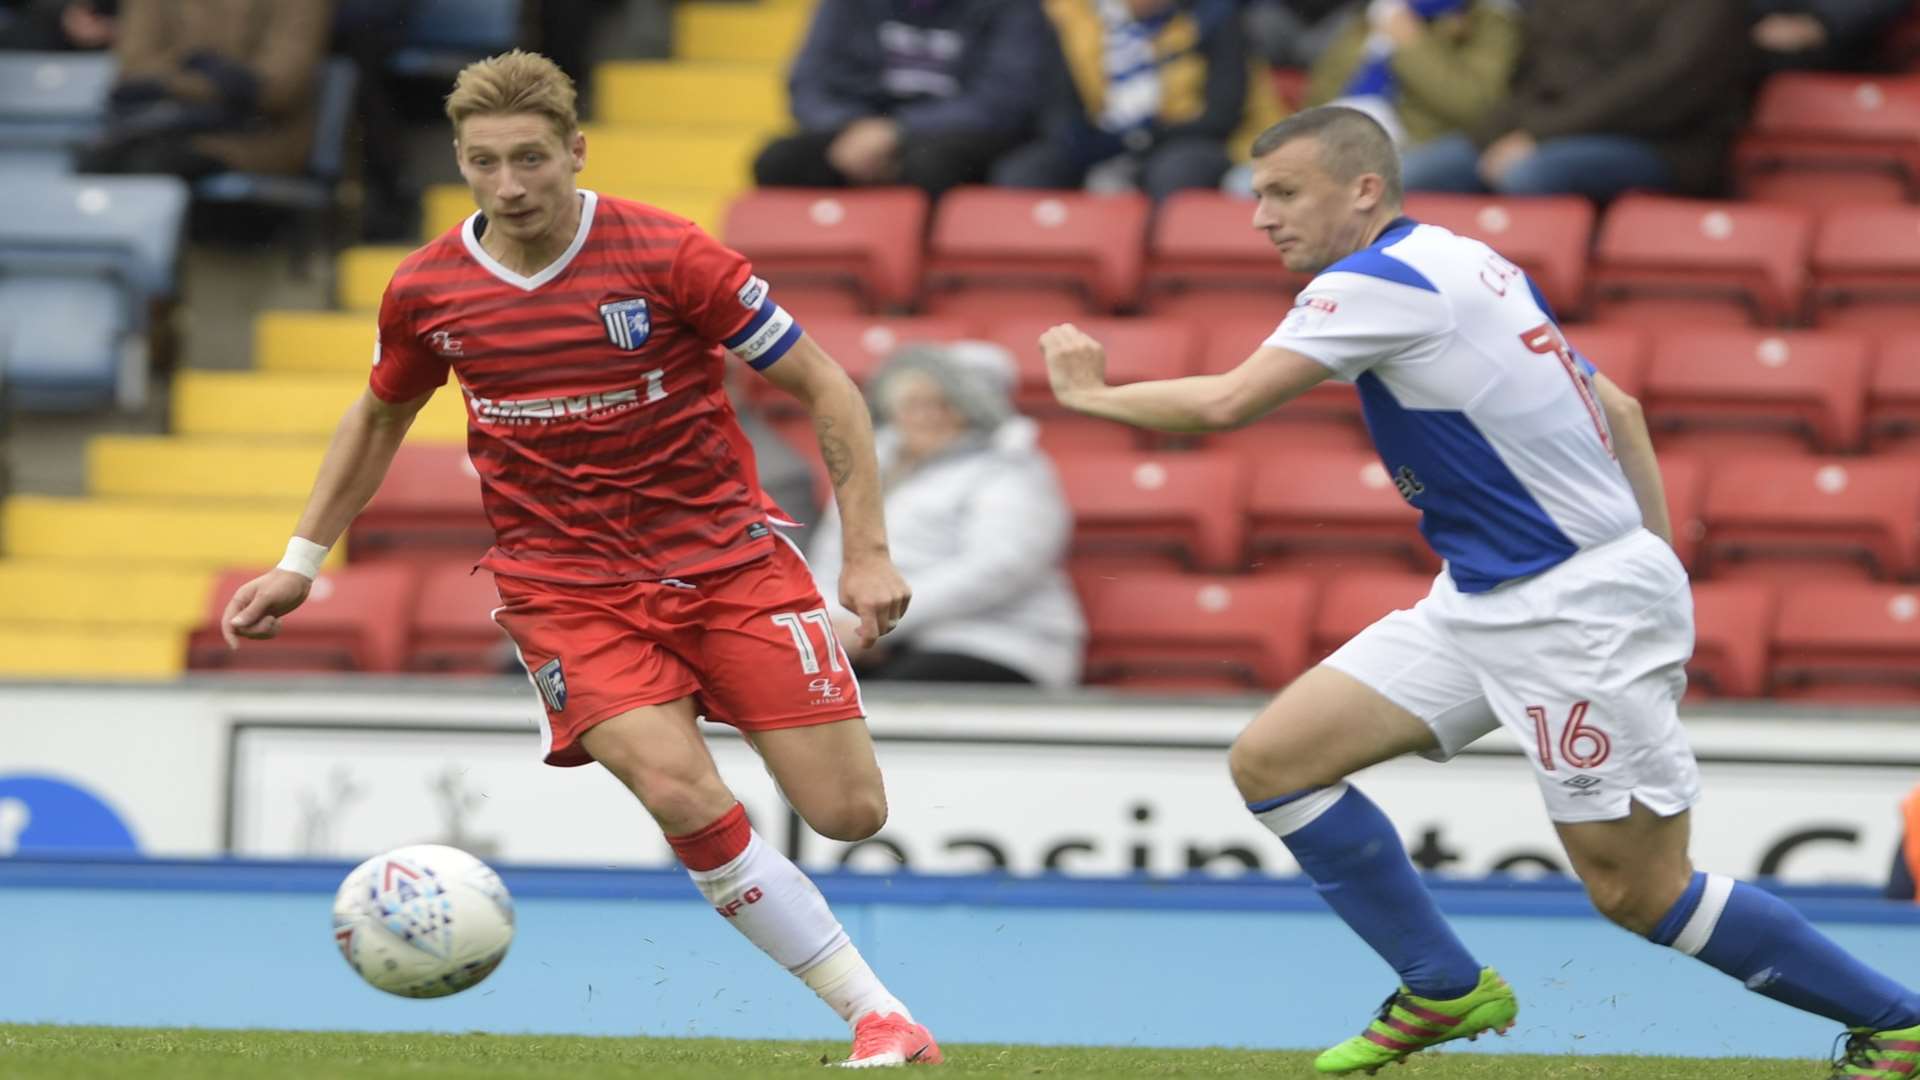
{"x": 1880, "y": 1055}
{"x": 1408, "y": 1024}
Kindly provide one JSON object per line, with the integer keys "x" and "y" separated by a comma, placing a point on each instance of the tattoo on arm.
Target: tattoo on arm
{"x": 834, "y": 451}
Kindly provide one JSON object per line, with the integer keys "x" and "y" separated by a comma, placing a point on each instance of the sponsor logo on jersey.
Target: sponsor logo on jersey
{"x": 528, "y": 410}
{"x": 445, "y": 343}
{"x": 1308, "y": 312}
{"x": 754, "y": 291}
{"x": 551, "y": 681}
{"x": 628, "y": 324}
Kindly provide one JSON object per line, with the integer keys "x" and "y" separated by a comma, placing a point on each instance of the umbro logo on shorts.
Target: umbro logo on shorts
{"x": 1583, "y": 783}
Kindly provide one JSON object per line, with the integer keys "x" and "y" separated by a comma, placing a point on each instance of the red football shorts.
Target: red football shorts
{"x": 753, "y": 644}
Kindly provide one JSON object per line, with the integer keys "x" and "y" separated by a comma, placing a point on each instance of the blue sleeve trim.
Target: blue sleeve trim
{"x": 1378, "y": 264}
{"x": 1541, "y": 299}
{"x": 760, "y": 317}
{"x": 778, "y": 349}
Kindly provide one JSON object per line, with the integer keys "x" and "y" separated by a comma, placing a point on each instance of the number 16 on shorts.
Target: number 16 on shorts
{"x": 1581, "y": 746}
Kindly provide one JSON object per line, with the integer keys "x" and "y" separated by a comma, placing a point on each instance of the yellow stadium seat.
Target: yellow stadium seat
{"x": 739, "y": 33}
{"x": 630, "y": 163}
{"x": 72, "y": 593}
{"x": 681, "y": 94}
{"x": 339, "y": 341}
{"x": 202, "y": 468}
{"x": 443, "y": 207}
{"x": 147, "y": 532}
{"x": 37, "y": 651}
{"x": 363, "y": 273}
{"x": 699, "y": 205}
{"x": 298, "y": 406}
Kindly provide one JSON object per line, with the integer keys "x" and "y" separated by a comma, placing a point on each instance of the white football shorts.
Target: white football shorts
{"x": 1583, "y": 663}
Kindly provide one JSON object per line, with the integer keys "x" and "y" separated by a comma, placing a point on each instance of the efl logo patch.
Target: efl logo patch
{"x": 551, "y": 681}
{"x": 754, "y": 291}
{"x": 627, "y": 322}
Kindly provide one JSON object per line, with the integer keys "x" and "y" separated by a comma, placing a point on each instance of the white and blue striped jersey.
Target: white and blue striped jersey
{"x": 1487, "y": 421}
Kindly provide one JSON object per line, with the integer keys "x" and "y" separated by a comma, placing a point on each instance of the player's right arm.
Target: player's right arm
{"x": 1633, "y": 448}
{"x": 405, "y": 375}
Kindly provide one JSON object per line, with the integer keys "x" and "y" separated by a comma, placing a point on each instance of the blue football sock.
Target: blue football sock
{"x": 1357, "y": 862}
{"x": 1763, "y": 941}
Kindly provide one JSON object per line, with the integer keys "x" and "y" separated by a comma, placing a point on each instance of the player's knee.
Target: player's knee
{"x": 855, "y": 817}
{"x": 1627, "y": 900}
{"x": 1262, "y": 768}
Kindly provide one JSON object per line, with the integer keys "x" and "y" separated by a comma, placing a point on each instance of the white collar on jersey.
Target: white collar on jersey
{"x": 552, "y": 270}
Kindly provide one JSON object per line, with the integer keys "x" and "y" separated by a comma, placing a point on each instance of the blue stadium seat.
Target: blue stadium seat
{"x": 444, "y": 36}
{"x": 52, "y": 100}
{"x": 311, "y": 193}
{"x": 125, "y": 226}
{"x": 65, "y": 346}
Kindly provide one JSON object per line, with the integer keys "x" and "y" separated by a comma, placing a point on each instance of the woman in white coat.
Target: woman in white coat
{"x": 977, "y": 524}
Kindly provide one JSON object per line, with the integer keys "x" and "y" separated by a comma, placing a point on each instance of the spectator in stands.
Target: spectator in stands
{"x": 978, "y": 523}
{"x": 926, "y": 93}
{"x": 213, "y": 85}
{"x": 367, "y": 32}
{"x": 1293, "y": 33}
{"x": 1152, "y": 91}
{"x": 1906, "y": 861}
{"x": 1422, "y": 68}
{"x": 1822, "y": 35}
{"x": 61, "y": 26}
{"x": 1608, "y": 97}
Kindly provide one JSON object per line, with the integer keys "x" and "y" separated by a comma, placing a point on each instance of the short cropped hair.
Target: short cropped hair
{"x": 515, "y": 82}
{"x": 1351, "y": 143}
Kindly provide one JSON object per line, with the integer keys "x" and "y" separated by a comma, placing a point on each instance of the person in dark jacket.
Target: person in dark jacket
{"x": 1608, "y": 97}
{"x": 921, "y": 92}
{"x": 1152, "y": 91}
{"x": 1822, "y": 35}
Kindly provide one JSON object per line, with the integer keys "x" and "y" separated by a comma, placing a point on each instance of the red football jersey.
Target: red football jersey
{"x": 596, "y": 415}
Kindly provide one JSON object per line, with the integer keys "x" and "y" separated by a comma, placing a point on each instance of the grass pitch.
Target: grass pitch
{"x": 66, "y": 1053}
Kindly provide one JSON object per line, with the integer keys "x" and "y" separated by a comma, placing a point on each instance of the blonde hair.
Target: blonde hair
{"x": 514, "y": 82}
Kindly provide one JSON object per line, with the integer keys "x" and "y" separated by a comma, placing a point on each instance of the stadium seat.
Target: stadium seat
{"x": 298, "y": 406}
{"x": 1693, "y": 261}
{"x": 642, "y": 160}
{"x": 1893, "y": 395}
{"x": 1189, "y": 631}
{"x": 720, "y": 30}
{"x": 1823, "y": 140}
{"x": 1618, "y": 350}
{"x": 1684, "y": 479}
{"x": 427, "y": 508}
{"x": 92, "y": 594}
{"x": 832, "y": 251}
{"x": 1845, "y": 641}
{"x": 442, "y": 206}
{"x": 314, "y": 341}
{"x": 1065, "y": 434}
{"x": 444, "y": 36}
{"x": 1866, "y": 268}
{"x": 40, "y": 651}
{"x": 1146, "y": 509}
{"x": 127, "y": 226}
{"x": 1548, "y": 237}
{"x": 1790, "y": 517}
{"x": 1205, "y": 258}
{"x": 453, "y": 627}
{"x": 311, "y": 194}
{"x": 1138, "y": 349}
{"x": 1001, "y": 252}
{"x": 862, "y": 343}
{"x": 53, "y": 100}
{"x": 174, "y": 534}
{"x": 713, "y": 96}
{"x": 355, "y": 619}
{"x": 1785, "y": 391}
{"x": 68, "y": 343}
{"x": 1332, "y": 510}
{"x": 1325, "y": 417}
{"x": 214, "y": 468}
{"x": 1349, "y": 603}
{"x": 1732, "y": 621}
{"x": 361, "y": 274}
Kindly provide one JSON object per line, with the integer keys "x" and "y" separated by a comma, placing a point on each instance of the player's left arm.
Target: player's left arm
{"x": 1633, "y": 447}
{"x": 870, "y": 586}
{"x": 1272, "y": 376}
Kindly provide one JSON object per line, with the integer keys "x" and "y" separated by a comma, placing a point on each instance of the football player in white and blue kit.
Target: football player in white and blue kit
{"x": 1562, "y": 613}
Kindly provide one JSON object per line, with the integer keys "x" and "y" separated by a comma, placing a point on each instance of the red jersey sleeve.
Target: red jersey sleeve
{"x": 403, "y": 368}
{"x": 714, "y": 290}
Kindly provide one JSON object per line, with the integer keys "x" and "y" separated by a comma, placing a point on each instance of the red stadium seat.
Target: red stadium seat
{"x": 1349, "y": 603}
{"x": 1138, "y": 349}
{"x": 1193, "y": 631}
{"x": 1848, "y": 642}
{"x": 1002, "y": 251}
{"x": 829, "y": 252}
{"x": 1789, "y": 390}
{"x": 1064, "y": 434}
{"x": 862, "y": 344}
{"x": 1866, "y": 268}
{"x": 1157, "y": 509}
{"x": 1618, "y": 350}
{"x": 1205, "y": 258}
{"x": 1818, "y": 139}
{"x": 1325, "y": 417}
{"x": 428, "y": 507}
{"x": 1547, "y": 236}
{"x": 1684, "y": 479}
{"x": 1731, "y": 622}
{"x": 1803, "y": 517}
{"x": 355, "y": 619}
{"x": 1692, "y": 261}
{"x": 1332, "y": 510}
{"x": 453, "y": 627}
{"x": 1893, "y": 396}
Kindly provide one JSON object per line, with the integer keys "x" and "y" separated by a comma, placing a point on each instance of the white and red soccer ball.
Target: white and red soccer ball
{"x": 423, "y": 921}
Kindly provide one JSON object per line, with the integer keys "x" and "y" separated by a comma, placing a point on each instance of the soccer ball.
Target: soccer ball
{"x": 423, "y": 921}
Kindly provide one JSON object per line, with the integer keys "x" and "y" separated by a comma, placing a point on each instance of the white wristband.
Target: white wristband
{"x": 303, "y": 557}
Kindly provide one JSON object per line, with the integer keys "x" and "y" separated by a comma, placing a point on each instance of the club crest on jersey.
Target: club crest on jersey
{"x": 627, "y": 322}
{"x": 551, "y": 681}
